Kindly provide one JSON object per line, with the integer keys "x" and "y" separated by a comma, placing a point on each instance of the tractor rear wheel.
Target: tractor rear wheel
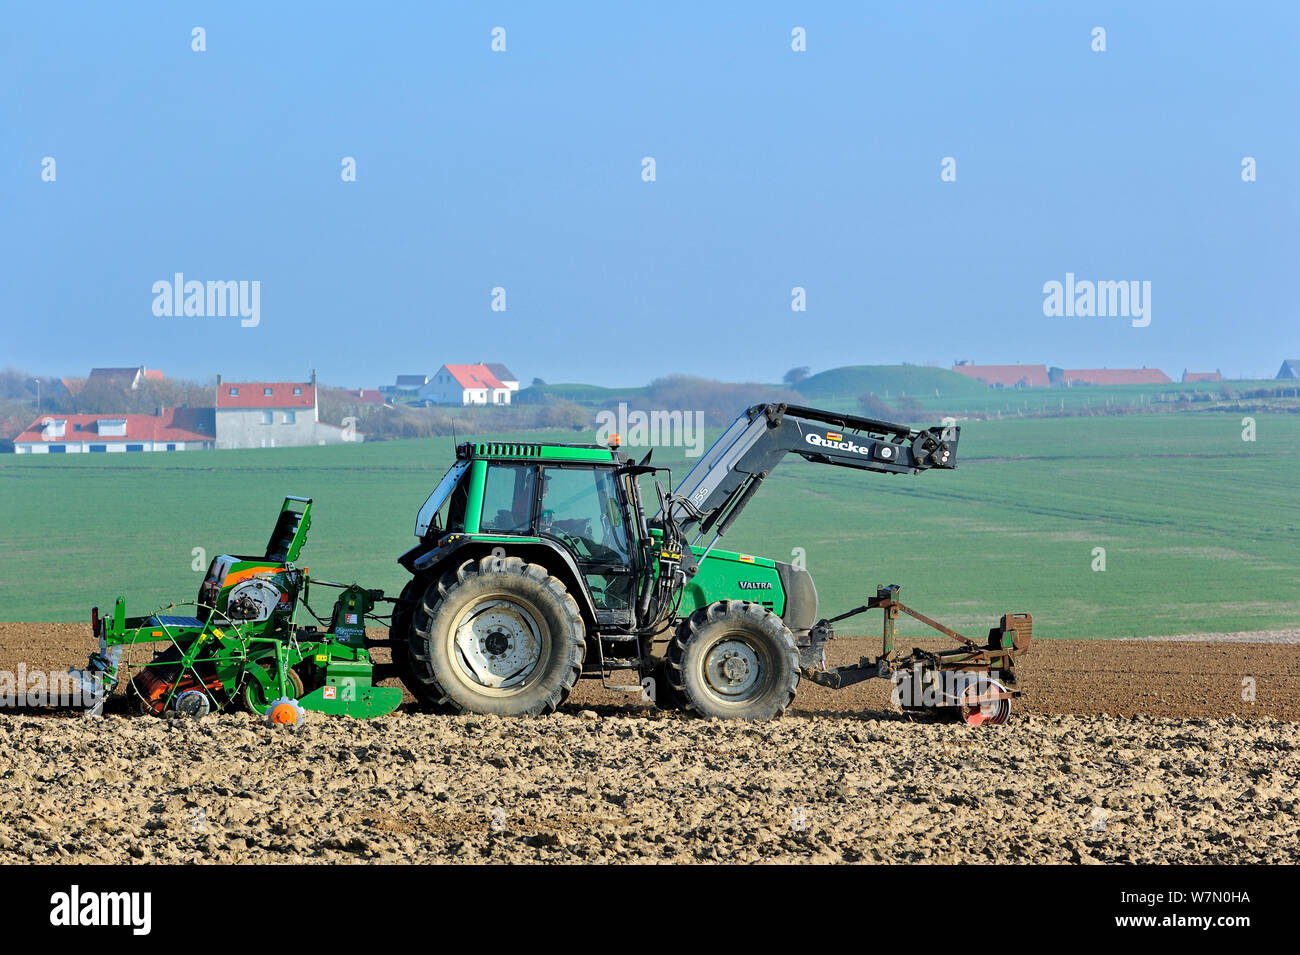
{"x": 734, "y": 659}
{"x": 497, "y": 635}
{"x": 399, "y": 630}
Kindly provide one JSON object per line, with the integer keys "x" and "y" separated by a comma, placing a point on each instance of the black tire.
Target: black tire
{"x": 666, "y": 696}
{"x": 507, "y": 613}
{"x": 766, "y": 672}
{"x": 399, "y": 629}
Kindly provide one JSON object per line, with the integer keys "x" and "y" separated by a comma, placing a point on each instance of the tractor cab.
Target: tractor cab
{"x": 568, "y": 506}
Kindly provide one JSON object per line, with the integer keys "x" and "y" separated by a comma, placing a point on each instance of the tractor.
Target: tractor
{"x": 538, "y": 564}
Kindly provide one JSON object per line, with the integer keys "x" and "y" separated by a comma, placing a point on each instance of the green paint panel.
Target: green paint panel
{"x": 724, "y": 576}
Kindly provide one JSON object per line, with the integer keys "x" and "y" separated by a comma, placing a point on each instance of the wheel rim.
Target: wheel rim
{"x": 255, "y": 695}
{"x": 735, "y": 669}
{"x": 172, "y": 673}
{"x": 499, "y": 643}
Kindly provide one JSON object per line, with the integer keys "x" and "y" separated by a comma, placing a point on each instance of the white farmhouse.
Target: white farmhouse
{"x": 273, "y": 414}
{"x": 466, "y": 385}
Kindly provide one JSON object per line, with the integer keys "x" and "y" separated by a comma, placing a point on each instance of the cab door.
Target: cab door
{"x": 583, "y": 509}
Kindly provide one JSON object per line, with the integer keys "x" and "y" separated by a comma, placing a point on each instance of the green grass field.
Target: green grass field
{"x": 1199, "y": 527}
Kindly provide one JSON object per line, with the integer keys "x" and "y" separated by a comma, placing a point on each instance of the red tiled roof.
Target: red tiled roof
{"x": 252, "y": 394}
{"x": 1202, "y": 376}
{"x": 1117, "y": 376}
{"x": 174, "y": 424}
{"x": 1035, "y": 376}
{"x": 474, "y": 376}
{"x": 153, "y": 374}
{"x": 370, "y": 396}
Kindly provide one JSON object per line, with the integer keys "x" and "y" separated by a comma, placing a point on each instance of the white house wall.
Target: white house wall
{"x": 117, "y": 446}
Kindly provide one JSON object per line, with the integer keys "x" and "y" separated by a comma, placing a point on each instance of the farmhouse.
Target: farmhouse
{"x": 467, "y": 385}
{"x": 408, "y": 384}
{"x": 174, "y": 429}
{"x": 1199, "y": 376}
{"x": 1005, "y": 376}
{"x": 1113, "y": 376}
{"x": 1290, "y": 369}
{"x": 129, "y": 378}
{"x": 272, "y": 414}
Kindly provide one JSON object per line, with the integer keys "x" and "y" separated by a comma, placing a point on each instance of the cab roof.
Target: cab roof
{"x": 518, "y": 451}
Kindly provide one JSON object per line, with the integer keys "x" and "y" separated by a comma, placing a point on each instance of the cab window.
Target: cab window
{"x": 508, "y": 499}
{"x": 451, "y": 516}
{"x": 444, "y": 511}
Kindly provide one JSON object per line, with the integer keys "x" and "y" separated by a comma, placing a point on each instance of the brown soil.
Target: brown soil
{"x": 1175, "y": 679}
{"x": 841, "y": 778}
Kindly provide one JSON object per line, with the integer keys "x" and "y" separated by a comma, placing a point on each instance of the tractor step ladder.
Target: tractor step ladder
{"x": 606, "y": 669}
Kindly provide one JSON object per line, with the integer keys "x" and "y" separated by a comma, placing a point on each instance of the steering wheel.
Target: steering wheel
{"x": 579, "y": 544}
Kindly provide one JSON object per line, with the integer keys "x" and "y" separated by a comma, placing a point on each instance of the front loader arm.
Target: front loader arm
{"x": 722, "y": 482}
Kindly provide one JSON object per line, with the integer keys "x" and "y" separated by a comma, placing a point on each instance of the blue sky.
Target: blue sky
{"x": 523, "y": 170}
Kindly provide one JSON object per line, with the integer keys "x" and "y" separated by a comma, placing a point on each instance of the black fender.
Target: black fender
{"x": 435, "y": 559}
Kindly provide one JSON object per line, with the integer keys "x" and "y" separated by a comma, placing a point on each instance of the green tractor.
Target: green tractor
{"x": 538, "y": 564}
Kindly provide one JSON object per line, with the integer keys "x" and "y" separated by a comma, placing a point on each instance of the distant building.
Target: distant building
{"x": 130, "y": 378}
{"x": 466, "y": 385}
{"x": 1290, "y": 369}
{"x": 1190, "y": 377}
{"x": 369, "y": 395}
{"x": 1005, "y": 376}
{"x": 174, "y": 429}
{"x": 272, "y": 414}
{"x": 410, "y": 384}
{"x": 1114, "y": 376}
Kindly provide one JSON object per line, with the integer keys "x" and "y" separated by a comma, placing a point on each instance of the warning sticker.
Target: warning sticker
{"x": 349, "y": 618}
{"x": 331, "y": 692}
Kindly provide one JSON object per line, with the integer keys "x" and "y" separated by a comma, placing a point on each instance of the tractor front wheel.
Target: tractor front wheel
{"x": 734, "y": 659}
{"x": 497, "y": 635}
